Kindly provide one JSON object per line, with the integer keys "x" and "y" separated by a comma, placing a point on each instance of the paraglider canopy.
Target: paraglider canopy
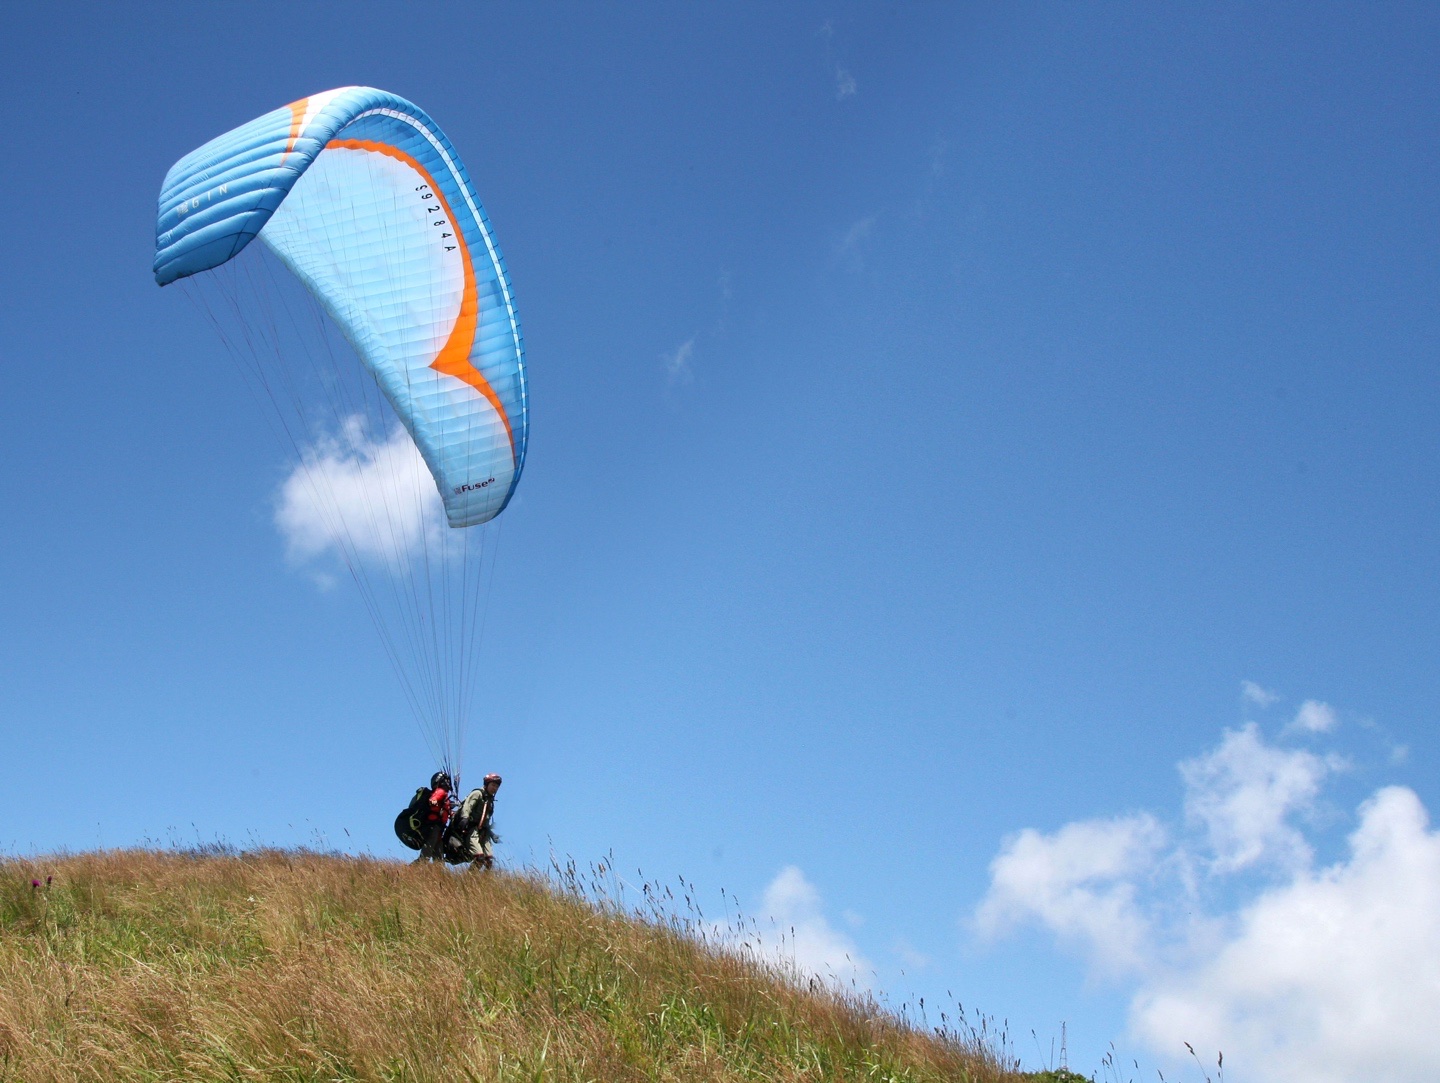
{"x": 360, "y": 194}
{"x": 358, "y": 199}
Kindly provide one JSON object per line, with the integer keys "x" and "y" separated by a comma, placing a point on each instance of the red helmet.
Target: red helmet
{"x": 491, "y": 777}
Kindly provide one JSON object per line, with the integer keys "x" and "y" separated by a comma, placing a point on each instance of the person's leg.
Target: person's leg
{"x": 485, "y": 855}
{"x": 433, "y": 834}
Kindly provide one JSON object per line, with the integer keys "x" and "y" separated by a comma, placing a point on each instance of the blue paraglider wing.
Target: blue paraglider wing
{"x": 361, "y": 195}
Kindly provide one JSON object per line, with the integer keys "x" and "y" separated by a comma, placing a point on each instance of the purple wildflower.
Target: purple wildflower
{"x": 34, "y": 884}
{"x": 48, "y": 879}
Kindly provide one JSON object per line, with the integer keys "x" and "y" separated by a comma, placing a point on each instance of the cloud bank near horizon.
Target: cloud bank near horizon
{"x": 1228, "y": 932}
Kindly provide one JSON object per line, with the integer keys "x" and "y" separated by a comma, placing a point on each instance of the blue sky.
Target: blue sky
{"x": 939, "y": 414}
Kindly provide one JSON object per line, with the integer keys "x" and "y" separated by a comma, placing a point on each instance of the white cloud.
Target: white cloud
{"x": 1325, "y": 975}
{"x": 1244, "y": 793}
{"x": 1077, "y": 882}
{"x": 1261, "y": 697}
{"x": 1315, "y": 717}
{"x": 358, "y": 498}
{"x": 1329, "y": 978}
{"x": 677, "y": 364}
{"x": 800, "y": 936}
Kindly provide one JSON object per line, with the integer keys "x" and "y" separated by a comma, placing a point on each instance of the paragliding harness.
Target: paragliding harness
{"x": 410, "y": 824}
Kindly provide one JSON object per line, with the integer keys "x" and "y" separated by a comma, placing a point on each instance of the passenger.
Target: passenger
{"x": 437, "y": 808}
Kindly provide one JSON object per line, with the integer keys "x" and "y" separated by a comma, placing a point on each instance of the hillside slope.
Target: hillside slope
{"x": 300, "y": 967}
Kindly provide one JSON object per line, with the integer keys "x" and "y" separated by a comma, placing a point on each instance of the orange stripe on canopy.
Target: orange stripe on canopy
{"x": 454, "y": 357}
{"x": 297, "y": 118}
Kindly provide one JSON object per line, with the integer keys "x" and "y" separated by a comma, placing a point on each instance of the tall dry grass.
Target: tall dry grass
{"x": 302, "y": 967}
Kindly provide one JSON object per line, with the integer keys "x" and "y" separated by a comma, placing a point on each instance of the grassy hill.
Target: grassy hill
{"x": 150, "y": 966}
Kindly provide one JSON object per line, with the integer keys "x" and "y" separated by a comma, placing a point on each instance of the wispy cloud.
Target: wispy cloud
{"x": 677, "y": 362}
{"x": 845, "y": 85}
{"x": 1254, "y": 693}
{"x": 858, "y": 231}
{"x": 850, "y": 245}
{"x": 914, "y": 959}
{"x": 1319, "y": 974}
{"x": 939, "y": 149}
